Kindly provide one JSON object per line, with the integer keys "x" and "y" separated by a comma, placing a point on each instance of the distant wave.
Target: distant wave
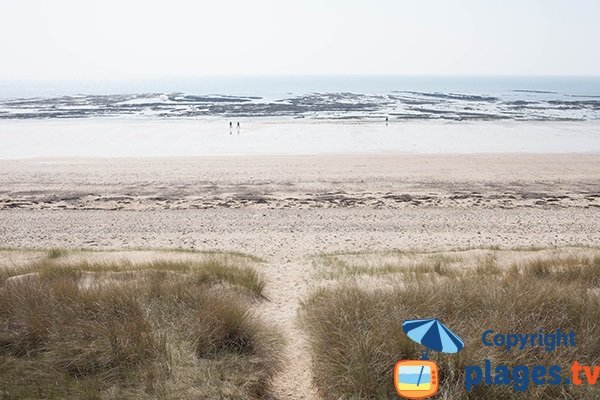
{"x": 453, "y": 96}
{"x": 533, "y": 91}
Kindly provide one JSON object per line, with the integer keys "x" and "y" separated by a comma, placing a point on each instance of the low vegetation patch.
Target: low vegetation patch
{"x": 57, "y": 253}
{"x": 355, "y": 334}
{"x": 168, "y": 330}
{"x": 333, "y": 266}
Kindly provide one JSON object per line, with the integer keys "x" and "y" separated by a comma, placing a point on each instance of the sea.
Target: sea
{"x": 300, "y": 115}
{"x": 552, "y": 98}
{"x": 273, "y": 87}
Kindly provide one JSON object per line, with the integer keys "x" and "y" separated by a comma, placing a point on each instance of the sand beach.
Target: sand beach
{"x": 286, "y": 209}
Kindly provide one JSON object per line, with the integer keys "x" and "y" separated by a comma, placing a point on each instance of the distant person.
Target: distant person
{"x": 238, "y": 127}
{"x": 386, "y": 121}
{"x": 230, "y": 127}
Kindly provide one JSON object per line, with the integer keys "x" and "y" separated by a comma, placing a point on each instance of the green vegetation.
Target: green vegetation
{"x": 56, "y": 253}
{"x": 355, "y": 332}
{"x": 166, "y": 330}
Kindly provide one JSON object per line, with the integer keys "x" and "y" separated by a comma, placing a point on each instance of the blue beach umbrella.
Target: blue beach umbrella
{"x": 432, "y": 334}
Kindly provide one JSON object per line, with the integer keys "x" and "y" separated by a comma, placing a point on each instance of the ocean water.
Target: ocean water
{"x": 328, "y": 97}
{"x": 300, "y": 115}
{"x": 274, "y": 87}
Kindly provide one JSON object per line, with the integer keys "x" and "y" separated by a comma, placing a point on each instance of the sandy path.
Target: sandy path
{"x": 288, "y": 284}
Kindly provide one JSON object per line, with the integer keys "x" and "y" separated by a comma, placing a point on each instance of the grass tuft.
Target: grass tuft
{"x": 131, "y": 331}
{"x": 56, "y": 253}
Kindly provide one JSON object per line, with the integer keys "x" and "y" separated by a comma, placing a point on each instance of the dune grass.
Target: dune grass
{"x": 161, "y": 330}
{"x": 210, "y": 271}
{"x": 336, "y": 265}
{"x": 355, "y": 334}
{"x": 57, "y": 253}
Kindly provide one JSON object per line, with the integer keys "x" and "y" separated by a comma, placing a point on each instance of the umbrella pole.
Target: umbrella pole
{"x": 420, "y": 375}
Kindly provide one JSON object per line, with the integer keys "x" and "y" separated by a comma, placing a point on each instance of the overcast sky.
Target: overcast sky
{"x": 58, "y": 39}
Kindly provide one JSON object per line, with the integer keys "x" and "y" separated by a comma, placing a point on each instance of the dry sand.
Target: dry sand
{"x": 285, "y": 209}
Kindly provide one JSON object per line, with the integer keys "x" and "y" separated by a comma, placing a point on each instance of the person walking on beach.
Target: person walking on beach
{"x": 238, "y": 127}
{"x": 386, "y": 120}
{"x": 230, "y": 127}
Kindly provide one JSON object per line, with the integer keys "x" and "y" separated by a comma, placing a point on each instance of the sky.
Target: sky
{"x": 75, "y": 39}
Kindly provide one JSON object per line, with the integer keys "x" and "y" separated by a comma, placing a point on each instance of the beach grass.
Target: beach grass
{"x": 344, "y": 265}
{"x": 164, "y": 330}
{"x": 56, "y": 253}
{"x": 355, "y": 331}
{"x": 209, "y": 270}
{"x": 383, "y": 264}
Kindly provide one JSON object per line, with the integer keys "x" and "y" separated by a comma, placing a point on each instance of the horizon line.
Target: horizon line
{"x": 303, "y": 75}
